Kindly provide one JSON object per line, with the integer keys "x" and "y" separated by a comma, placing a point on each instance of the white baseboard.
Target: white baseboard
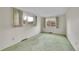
{"x": 72, "y": 43}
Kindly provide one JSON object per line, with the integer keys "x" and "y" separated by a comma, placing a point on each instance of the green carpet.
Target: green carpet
{"x": 43, "y": 42}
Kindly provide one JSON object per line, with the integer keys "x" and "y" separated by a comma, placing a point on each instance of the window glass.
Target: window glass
{"x": 30, "y": 19}
{"x": 51, "y": 22}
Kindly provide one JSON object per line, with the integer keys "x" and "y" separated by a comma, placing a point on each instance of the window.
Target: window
{"x": 21, "y": 18}
{"x": 25, "y": 18}
{"x": 30, "y": 19}
{"x": 52, "y": 22}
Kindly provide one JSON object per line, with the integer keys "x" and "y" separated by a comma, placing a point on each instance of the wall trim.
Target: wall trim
{"x": 73, "y": 45}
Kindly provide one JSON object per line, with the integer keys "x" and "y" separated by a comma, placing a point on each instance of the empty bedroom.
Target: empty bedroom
{"x": 39, "y": 28}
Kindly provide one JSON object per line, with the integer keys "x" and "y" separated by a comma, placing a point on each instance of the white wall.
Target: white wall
{"x": 72, "y": 17}
{"x": 10, "y": 35}
{"x": 60, "y": 30}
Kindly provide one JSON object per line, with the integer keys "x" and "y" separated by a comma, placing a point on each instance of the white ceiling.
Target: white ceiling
{"x": 45, "y": 11}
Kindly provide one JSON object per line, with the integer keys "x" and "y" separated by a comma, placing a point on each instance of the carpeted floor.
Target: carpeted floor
{"x": 43, "y": 42}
